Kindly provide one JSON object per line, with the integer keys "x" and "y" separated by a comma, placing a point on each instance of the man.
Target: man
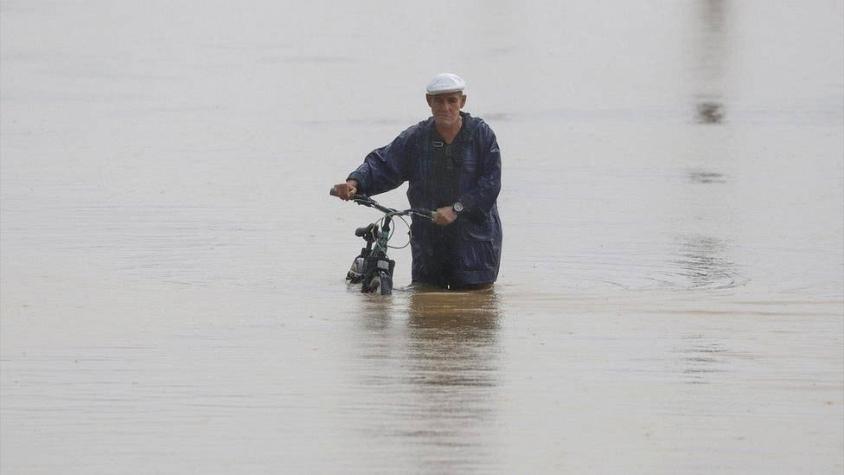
{"x": 452, "y": 164}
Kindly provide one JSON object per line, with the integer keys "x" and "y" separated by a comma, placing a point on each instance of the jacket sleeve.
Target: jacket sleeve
{"x": 482, "y": 196}
{"x": 384, "y": 168}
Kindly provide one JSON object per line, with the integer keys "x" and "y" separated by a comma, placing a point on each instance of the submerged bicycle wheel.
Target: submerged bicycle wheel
{"x": 386, "y": 284}
{"x": 380, "y": 282}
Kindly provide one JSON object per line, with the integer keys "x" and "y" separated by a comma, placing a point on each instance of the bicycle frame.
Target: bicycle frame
{"x": 373, "y": 269}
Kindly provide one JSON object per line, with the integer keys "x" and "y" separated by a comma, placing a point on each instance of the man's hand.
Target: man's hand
{"x": 346, "y": 191}
{"x": 444, "y": 216}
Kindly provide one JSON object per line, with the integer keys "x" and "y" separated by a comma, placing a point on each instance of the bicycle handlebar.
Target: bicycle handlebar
{"x": 369, "y": 202}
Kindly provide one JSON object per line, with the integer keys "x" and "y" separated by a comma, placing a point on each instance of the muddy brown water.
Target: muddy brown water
{"x": 670, "y": 298}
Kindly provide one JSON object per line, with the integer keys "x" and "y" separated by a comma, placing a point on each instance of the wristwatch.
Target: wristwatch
{"x": 457, "y": 207}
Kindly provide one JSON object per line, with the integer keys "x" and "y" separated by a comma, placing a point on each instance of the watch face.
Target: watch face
{"x": 458, "y": 207}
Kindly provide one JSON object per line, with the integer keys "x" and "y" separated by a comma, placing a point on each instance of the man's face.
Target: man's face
{"x": 446, "y": 107}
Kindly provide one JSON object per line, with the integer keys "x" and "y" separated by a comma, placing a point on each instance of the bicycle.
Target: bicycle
{"x": 373, "y": 269}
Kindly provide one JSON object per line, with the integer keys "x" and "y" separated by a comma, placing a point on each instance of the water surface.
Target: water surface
{"x": 671, "y": 295}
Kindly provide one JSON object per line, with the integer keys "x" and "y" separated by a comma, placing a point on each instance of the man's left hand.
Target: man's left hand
{"x": 444, "y": 216}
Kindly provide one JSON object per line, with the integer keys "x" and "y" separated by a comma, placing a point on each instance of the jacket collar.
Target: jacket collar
{"x": 466, "y": 133}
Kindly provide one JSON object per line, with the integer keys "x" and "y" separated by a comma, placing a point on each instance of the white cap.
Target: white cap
{"x": 445, "y": 83}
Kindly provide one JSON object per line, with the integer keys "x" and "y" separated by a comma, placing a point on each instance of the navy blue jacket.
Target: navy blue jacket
{"x": 474, "y": 242}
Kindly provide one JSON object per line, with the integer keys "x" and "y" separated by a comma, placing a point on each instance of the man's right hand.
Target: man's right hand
{"x": 346, "y": 191}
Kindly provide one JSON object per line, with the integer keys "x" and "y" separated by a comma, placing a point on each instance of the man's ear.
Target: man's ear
{"x": 462, "y": 101}
{"x": 428, "y": 99}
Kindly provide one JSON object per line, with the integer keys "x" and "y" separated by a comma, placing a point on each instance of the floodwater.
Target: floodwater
{"x": 671, "y": 294}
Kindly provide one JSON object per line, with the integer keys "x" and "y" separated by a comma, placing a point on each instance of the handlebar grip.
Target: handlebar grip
{"x": 422, "y": 212}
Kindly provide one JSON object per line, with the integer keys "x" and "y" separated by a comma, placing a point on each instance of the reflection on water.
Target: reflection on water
{"x": 452, "y": 362}
{"x": 433, "y": 356}
{"x": 701, "y": 258}
{"x": 704, "y": 265}
{"x": 701, "y": 358}
{"x": 452, "y": 370}
{"x": 710, "y": 55}
{"x": 710, "y": 112}
{"x": 451, "y": 337}
{"x": 377, "y": 314}
{"x": 706, "y": 177}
